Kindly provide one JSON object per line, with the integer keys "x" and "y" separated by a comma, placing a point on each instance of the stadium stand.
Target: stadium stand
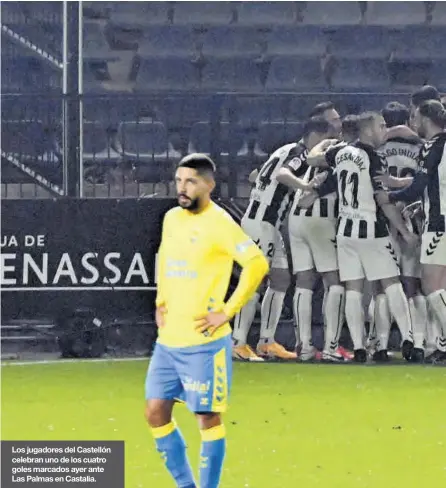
{"x": 249, "y": 69}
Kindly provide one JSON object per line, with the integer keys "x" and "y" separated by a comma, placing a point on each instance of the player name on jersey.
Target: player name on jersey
{"x": 356, "y": 165}
{"x": 401, "y": 157}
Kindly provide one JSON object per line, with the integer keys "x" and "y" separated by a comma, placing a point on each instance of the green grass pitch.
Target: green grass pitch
{"x": 287, "y": 425}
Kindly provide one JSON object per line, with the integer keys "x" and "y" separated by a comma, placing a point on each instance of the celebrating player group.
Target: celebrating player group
{"x": 363, "y": 199}
{"x": 359, "y": 199}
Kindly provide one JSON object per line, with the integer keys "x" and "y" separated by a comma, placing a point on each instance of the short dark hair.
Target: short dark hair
{"x": 202, "y": 163}
{"x": 350, "y": 125}
{"x": 423, "y": 94}
{"x": 395, "y": 113}
{"x": 315, "y": 124}
{"x": 434, "y": 111}
{"x": 320, "y": 108}
{"x": 366, "y": 118}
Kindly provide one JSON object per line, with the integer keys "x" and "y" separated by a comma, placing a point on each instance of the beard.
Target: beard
{"x": 189, "y": 203}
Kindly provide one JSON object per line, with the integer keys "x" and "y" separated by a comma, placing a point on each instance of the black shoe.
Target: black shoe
{"x": 417, "y": 355}
{"x": 360, "y": 356}
{"x": 407, "y": 349}
{"x": 381, "y": 356}
{"x": 436, "y": 357}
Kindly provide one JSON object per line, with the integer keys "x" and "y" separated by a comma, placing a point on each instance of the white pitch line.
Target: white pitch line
{"x": 12, "y": 362}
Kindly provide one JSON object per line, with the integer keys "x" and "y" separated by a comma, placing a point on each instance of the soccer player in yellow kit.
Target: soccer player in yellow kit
{"x": 192, "y": 357}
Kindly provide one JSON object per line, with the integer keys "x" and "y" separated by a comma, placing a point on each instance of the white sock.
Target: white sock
{"x": 272, "y": 304}
{"x": 434, "y": 339}
{"x": 372, "y": 328}
{"x": 334, "y": 312}
{"x": 382, "y": 321}
{"x": 243, "y": 321}
{"x": 399, "y": 308}
{"x": 302, "y": 309}
{"x": 437, "y": 301}
{"x": 418, "y": 314}
{"x": 354, "y": 313}
{"x": 324, "y": 306}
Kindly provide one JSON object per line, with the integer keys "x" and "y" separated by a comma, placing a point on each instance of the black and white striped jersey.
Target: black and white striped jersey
{"x": 355, "y": 165}
{"x": 402, "y": 155}
{"x": 432, "y": 161}
{"x": 270, "y": 200}
{"x": 326, "y": 206}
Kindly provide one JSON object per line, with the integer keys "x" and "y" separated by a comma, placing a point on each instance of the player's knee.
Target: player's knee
{"x": 411, "y": 286}
{"x": 207, "y": 420}
{"x": 279, "y": 279}
{"x": 355, "y": 285}
{"x": 157, "y": 414}
{"x": 432, "y": 279}
{"x": 331, "y": 279}
{"x": 306, "y": 279}
{"x": 390, "y": 281}
{"x": 376, "y": 288}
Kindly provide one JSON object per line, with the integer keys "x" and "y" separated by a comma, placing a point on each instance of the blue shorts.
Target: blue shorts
{"x": 200, "y": 375}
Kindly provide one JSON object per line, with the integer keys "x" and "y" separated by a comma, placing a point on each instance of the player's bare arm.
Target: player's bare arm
{"x": 159, "y": 315}
{"x": 316, "y": 157}
{"x": 402, "y": 131}
{"x": 286, "y": 177}
{"x": 393, "y": 181}
{"x": 253, "y": 175}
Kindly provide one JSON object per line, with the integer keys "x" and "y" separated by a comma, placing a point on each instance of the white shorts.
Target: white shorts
{"x": 433, "y": 248}
{"x": 409, "y": 259}
{"x": 269, "y": 239}
{"x": 374, "y": 259}
{"x": 313, "y": 243}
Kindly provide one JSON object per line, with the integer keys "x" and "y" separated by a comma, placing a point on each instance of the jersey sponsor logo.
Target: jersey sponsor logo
{"x": 244, "y": 246}
{"x": 297, "y": 161}
{"x": 197, "y": 386}
{"x": 179, "y": 269}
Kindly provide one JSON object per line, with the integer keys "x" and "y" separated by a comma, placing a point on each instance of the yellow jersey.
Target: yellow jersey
{"x": 195, "y": 262}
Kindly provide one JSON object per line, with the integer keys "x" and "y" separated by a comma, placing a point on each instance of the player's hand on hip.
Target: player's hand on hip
{"x": 208, "y": 324}
{"x": 159, "y": 315}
